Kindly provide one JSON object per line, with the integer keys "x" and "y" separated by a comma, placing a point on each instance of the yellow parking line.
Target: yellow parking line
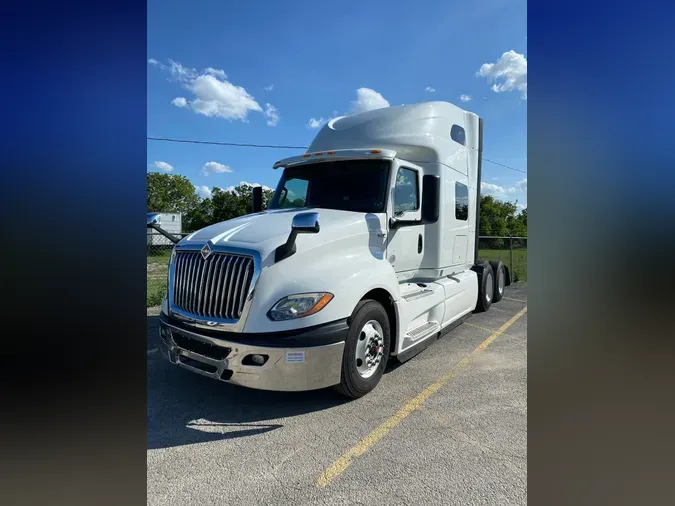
{"x": 339, "y": 466}
{"x": 479, "y": 327}
{"x": 517, "y": 300}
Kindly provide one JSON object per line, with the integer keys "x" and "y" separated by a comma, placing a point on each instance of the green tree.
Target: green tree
{"x": 199, "y": 217}
{"x": 170, "y": 193}
{"x": 224, "y": 205}
{"x": 498, "y": 218}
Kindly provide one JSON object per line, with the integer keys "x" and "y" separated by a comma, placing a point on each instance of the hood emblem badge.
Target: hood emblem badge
{"x": 206, "y": 251}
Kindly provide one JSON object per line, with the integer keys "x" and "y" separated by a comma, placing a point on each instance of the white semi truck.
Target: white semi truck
{"x": 367, "y": 252}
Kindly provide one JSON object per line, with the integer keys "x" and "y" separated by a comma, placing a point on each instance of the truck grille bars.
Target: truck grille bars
{"x": 215, "y": 287}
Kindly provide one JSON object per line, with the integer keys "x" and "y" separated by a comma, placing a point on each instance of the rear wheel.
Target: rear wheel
{"x": 499, "y": 272}
{"x": 486, "y": 287}
{"x": 366, "y": 349}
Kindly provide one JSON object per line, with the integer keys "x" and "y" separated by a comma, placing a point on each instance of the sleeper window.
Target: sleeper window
{"x": 461, "y": 202}
{"x": 458, "y": 134}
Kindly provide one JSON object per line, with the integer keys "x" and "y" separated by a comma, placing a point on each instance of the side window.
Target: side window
{"x": 458, "y": 134}
{"x": 461, "y": 202}
{"x": 294, "y": 193}
{"x": 406, "y": 194}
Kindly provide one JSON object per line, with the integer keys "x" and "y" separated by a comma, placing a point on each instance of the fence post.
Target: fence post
{"x": 511, "y": 255}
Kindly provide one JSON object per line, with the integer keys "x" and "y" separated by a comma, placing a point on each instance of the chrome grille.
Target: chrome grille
{"x": 214, "y": 288}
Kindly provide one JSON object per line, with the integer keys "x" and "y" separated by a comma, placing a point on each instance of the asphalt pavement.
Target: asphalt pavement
{"x": 447, "y": 427}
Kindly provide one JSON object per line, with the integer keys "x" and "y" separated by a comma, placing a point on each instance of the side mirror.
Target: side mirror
{"x": 303, "y": 223}
{"x": 154, "y": 219}
{"x": 257, "y": 194}
{"x": 431, "y": 198}
{"x": 306, "y": 223}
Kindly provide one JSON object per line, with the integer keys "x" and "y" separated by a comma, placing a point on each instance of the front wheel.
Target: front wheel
{"x": 366, "y": 349}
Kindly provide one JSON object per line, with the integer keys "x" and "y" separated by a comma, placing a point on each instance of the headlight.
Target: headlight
{"x": 299, "y": 305}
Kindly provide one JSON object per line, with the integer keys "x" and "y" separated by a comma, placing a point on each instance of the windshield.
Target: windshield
{"x": 348, "y": 185}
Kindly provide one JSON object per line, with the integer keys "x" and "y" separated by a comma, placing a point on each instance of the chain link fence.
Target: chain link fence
{"x": 512, "y": 251}
{"x": 158, "y": 254}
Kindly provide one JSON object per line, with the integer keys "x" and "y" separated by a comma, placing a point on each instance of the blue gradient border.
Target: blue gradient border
{"x": 73, "y": 197}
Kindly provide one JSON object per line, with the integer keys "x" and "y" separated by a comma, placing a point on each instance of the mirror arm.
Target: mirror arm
{"x": 166, "y": 234}
{"x": 300, "y": 225}
{"x": 288, "y": 248}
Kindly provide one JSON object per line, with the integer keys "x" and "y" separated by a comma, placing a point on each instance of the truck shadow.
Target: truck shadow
{"x": 185, "y": 408}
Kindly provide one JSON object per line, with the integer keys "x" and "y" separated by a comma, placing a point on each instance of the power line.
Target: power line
{"x": 277, "y": 146}
{"x": 505, "y": 166}
{"x": 226, "y": 143}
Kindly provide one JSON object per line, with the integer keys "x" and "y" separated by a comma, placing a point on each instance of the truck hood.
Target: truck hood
{"x": 267, "y": 230}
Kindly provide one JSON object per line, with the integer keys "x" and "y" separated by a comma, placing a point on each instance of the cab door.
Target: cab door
{"x": 405, "y": 244}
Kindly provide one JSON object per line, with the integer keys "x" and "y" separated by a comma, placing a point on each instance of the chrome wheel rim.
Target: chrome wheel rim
{"x": 489, "y": 289}
{"x": 501, "y": 282}
{"x": 369, "y": 348}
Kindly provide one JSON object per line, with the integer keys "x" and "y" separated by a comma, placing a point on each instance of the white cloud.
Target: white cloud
{"x": 520, "y": 206}
{"x": 152, "y": 61}
{"x": 180, "y": 72}
{"x": 204, "y": 191}
{"x": 495, "y": 178}
{"x": 495, "y": 190}
{"x": 214, "y": 95}
{"x": 216, "y": 73}
{"x": 163, "y": 166}
{"x": 272, "y": 115}
{"x": 316, "y": 123}
{"x": 430, "y": 89}
{"x": 465, "y": 98}
{"x": 214, "y": 168}
{"x": 502, "y": 192}
{"x": 244, "y": 183}
{"x": 269, "y": 88}
{"x": 368, "y": 100}
{"x": 509, "y": 73}
{"x": 222, "y": 99}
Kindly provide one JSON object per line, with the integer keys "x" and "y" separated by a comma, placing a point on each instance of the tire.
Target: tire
{"x": 499, "y": 271}
{"x": 357, "y": 379}
{"x": 485, "y": 287}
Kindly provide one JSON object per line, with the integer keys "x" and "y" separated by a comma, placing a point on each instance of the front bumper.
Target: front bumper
{"x": 306, "y": 360}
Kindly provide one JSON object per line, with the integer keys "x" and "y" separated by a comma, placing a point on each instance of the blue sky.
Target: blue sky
{"x": 265, "y": 72}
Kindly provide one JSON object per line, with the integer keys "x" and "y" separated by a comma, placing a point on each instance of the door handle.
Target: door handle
{"x": 419, "y": 244}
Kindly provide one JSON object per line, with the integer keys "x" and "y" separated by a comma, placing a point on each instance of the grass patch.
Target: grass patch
{"x": 159, "y": 256}
{"x": 156, "y": 292}
{"x": 519, "y": 272}
{"x": 158, "y": 269}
